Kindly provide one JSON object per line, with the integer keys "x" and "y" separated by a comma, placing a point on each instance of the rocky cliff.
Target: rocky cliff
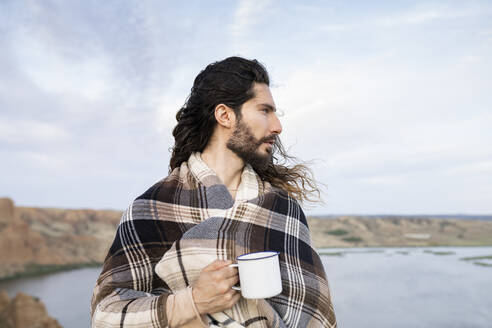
{"x": 38, "y": 239}
{"x": 358, "y": 231}
{"x": 24, "y": 311}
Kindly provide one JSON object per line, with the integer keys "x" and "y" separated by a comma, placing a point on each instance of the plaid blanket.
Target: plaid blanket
{"x": 188, "y": 220}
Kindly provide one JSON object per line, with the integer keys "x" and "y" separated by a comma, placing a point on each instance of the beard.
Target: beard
{"x": 243, "y": 143}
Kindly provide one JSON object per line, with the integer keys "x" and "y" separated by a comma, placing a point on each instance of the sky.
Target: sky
{"x": 389, "y": 101}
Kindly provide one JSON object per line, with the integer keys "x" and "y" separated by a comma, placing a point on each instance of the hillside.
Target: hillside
{"x": 24, "y": 311}
{"x": 359, "y": 231}
{"x": 42, "y": 239}
{"x": 34, "y": 240}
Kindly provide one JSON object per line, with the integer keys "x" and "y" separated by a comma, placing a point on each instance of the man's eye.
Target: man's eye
{"x": 266, "y": 110}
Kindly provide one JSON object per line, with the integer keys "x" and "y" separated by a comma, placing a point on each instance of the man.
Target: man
{"x": 226, "y": 195}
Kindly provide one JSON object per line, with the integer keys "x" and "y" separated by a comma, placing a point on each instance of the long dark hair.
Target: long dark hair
{"x": 230, "y": 82}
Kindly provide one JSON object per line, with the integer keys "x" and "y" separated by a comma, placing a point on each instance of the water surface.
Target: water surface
{"x": 66, "y": 294}
{"x": 410, "y": 287}
{"x": 370, "y": 287}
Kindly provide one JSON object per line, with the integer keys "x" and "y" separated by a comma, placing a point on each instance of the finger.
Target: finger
{"x": 227, "y": 272}
{"x": 225, "y": 286}
{"x": 227, "y": 297}
{"x": 232, "y": 281}
{"x": 234, "y": 300}
{"x": 217, "y": 264}
{"x": 221, "y": 275}
{"x": 236, "y": 296}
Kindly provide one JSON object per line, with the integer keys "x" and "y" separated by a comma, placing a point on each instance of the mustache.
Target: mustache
{"x": 269, "y": 138}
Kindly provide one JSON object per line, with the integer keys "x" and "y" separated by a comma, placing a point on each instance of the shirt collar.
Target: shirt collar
{"x": 248, "y": 187}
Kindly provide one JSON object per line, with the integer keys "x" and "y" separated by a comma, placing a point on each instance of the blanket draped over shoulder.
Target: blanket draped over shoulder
{"x": 186, "y": 221}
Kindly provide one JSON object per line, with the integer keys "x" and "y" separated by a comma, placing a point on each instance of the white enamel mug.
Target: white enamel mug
{"x": 259, "y": 274}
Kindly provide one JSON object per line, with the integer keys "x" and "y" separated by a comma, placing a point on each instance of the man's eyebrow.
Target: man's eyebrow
{"x": 269, "y": 106}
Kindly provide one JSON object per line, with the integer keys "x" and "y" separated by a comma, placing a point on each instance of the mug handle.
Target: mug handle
{"x": 234, "y": 265}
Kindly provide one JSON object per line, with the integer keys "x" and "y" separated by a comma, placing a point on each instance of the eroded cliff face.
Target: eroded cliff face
{"x": 6, "y": 211}
{"x": 24, "y": 311}
{"x": 31, "y": 238}
{"x": 350, "y": 231}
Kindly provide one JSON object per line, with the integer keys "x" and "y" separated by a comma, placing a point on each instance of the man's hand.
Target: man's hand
{"x": 212, "y": 290}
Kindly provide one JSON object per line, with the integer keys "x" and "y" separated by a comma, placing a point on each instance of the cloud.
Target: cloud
{"x": 94, "y": 89}
{"x": 247, "y": 15}
{"x": 173, "y": 98}
{"x": 387, "y": 180}
{"x": 52, "y": 71}
{"x": 482, "y": 168}
{"x": 30, "y": 132}
{"x": 383, "y": 129}
{"x": 423, "y": 15}
{"x": 418, "y": 15}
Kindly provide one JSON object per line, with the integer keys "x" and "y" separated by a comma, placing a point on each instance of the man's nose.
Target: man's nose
{"x": 276, "y": 126}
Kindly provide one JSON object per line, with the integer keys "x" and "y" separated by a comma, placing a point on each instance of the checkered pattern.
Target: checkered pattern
{"x": 189, "y": 219}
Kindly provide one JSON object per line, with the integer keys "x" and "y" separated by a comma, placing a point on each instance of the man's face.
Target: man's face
{"x": 256, "y": 129}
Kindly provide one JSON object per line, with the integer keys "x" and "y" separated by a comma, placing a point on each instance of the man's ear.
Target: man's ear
{"x": 225, "y": 116}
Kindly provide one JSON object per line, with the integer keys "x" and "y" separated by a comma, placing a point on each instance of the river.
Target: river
{"x": 370, "y": 287}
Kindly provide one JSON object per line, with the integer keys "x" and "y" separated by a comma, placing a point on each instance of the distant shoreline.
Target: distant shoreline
{"x": 37, "y": 241}
{"x": 403, "y": 246}
{"x": 35, "y": 270}
{"x": 397, "y": 231}
{"x": 479, "y": 217}
{"x": 39, "y": 270}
